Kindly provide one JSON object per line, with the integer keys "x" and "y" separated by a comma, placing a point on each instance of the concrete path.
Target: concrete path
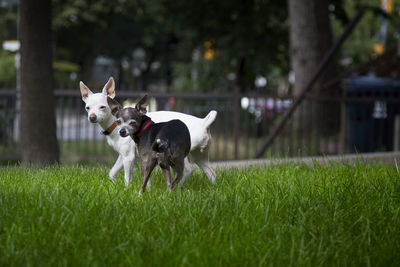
{"x": 368, "y": 158}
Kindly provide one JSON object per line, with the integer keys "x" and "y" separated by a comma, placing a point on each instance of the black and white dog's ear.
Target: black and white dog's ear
{"x": 114, "y": 105}
{"x": 109, "y": 88}
{"x": 142, "y": 104}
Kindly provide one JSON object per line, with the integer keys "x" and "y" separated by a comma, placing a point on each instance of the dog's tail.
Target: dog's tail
{"x": 210, "y": 118}
{"x": 159, "y": 146}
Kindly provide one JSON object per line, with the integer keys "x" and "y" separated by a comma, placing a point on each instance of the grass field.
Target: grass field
{"x": 287, "y": 214}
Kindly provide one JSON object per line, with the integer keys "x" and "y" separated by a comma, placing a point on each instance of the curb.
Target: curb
{"x": 367, "y": 158}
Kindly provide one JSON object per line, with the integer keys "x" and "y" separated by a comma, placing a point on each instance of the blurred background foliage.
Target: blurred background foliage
{"x": 197, "y": 46}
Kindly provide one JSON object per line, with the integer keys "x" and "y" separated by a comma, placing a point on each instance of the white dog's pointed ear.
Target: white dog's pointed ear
{"x": 142, "y": 104}
{"x": 109, "y": 88}
{"x": 85, "y": 91}
{"x": 114, "y": 105}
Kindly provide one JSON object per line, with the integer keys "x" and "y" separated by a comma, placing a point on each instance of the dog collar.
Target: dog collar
{"x": 110, "y": 129}
{"x": 148, "y": 124}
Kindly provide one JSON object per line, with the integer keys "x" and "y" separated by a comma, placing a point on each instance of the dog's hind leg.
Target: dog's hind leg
{"x": 204, "y": 165}
{"x": 147, "y": 167}
{"x": 115, "y": 169}
{"x": 188, "y": 169}
{"x": 167, "y": 175}
{"x": 178, "y": 170}
{"x": 201, "y": 159}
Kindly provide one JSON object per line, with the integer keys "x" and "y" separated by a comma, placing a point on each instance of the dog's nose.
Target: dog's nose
{"x": 122, "y": 132}
{"x": 92, "y": 118}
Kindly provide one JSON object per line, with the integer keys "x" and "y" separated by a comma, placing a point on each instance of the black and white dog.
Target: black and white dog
{"x": 166, "y": 143}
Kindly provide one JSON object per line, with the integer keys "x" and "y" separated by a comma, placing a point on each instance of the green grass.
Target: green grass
{"x": 281, "y": 215}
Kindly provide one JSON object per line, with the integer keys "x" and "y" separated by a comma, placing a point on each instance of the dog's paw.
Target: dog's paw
{"x": 213, "y": 177}
{"x": 140, "y": 193}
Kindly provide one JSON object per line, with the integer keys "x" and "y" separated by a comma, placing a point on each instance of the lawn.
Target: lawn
{"x": 287, "y": 214}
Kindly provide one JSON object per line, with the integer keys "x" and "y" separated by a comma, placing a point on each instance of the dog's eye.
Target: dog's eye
{"x": 132, "y": 123}
{"x": 87, "y": 108}
{"x": 119, "y": 122}
{"x": 102, "y": 107}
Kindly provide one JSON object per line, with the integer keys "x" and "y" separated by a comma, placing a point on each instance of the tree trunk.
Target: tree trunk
{"x": 310, "y": 39}
{"x": 39, "y": 144}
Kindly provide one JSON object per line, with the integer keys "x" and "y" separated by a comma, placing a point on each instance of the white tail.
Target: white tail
{"x": 210, "y": 118}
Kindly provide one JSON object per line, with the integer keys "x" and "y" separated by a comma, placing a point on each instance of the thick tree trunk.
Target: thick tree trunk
{"x": 39, "y": 144}
{"x": 310, "y": 39}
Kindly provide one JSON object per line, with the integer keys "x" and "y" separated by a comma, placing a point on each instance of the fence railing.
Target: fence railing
{"x": 320, "y": 126}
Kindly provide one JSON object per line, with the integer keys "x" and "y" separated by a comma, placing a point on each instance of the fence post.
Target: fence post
{"x": 236, "y": 118}
{"x": 396, "y": 141}
{"x": 342, "y": 134}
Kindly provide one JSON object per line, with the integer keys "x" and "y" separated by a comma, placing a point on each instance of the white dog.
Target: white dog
{"x": 99, "y": 112}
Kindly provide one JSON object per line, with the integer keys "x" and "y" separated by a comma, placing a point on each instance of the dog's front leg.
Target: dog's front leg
{"x": 128, "y": 162}
{"x": 115, "y": 169}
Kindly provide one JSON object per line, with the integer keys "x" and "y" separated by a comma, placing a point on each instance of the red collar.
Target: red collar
{"x": 110, "y": 129}
{"x": 148, "y": 124}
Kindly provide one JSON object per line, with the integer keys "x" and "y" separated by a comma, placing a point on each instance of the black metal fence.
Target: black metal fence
{"x": 353, "y": 122}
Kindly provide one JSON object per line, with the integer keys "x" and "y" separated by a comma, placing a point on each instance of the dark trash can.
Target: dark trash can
{"x": 371, "y": 112}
